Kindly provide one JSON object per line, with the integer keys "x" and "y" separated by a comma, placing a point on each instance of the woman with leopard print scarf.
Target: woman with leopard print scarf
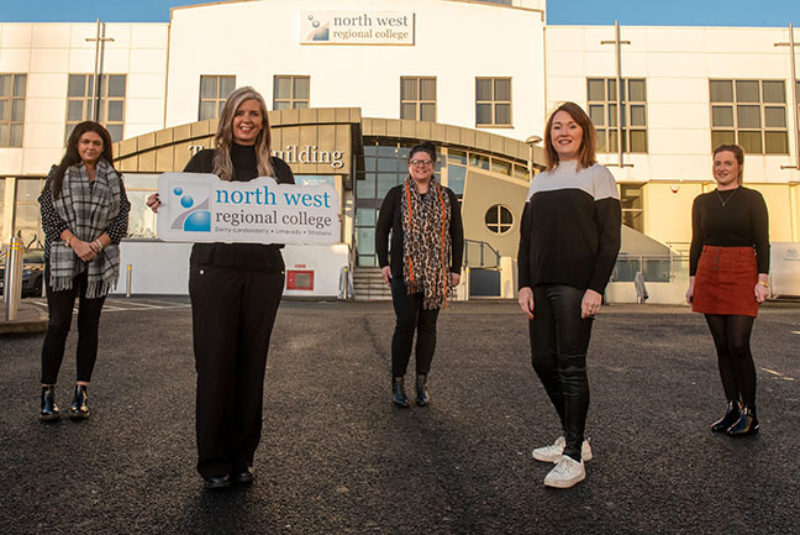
{"x": 427, "y": 245}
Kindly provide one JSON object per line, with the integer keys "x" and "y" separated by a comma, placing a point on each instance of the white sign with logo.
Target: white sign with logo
{"x": 357, "y": 28}
{"x": 198, "y": 207}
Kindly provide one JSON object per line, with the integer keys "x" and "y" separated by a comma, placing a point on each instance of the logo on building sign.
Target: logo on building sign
{"x": 357, "y": 28}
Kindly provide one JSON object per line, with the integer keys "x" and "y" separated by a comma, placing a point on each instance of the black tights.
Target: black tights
{"x": 736, "y": 369}
{"x": 559, "y": 341}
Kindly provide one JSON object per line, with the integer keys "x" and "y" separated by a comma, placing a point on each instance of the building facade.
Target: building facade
{"x": 353, "y": 85}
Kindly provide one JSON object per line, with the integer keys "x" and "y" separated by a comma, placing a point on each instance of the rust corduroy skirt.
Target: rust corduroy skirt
{"x": 725, "y": 281}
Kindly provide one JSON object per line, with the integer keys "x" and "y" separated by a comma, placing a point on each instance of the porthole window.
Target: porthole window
{"x": 499, "y": 219}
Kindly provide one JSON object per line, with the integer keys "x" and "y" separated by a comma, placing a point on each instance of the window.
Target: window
{"x": 2, "y": 201}
{"x": 751, "y": 113}
{"x": 631, "y": 201}
{"x": 499, "y": 219}
{"x": 12, "y": 109}
{"x": 27, "y": 215}
{"x": 290, "y": 92}
{"x": 602, "y": 104}
{"x": 492, "y": 102}
{"x": 214, "y": 90}
{"x": 418, "y": 98}
{"x": 141, "y": 220}
{"x": 456, "y": 171}
{"x": 109, "y": 110}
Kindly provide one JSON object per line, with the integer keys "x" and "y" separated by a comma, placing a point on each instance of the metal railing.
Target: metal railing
{"x": 660, "y": 268}
{"x": 479, "y": 254}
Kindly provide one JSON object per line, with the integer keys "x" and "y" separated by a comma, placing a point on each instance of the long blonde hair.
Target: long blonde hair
{"x": 223, "y": 166}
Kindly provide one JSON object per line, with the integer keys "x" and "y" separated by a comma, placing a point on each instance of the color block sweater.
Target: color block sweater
{"x": 570, "y": 228}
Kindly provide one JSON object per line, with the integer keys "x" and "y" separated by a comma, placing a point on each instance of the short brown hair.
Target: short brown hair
{"x": 738, "y": 152}
{"x": 586, "y": 155}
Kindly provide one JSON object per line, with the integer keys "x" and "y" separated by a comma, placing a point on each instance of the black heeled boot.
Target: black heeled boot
{"x": 422, "y": 392}
{"x": 399, "y": 392}
{"x": 49, "y": 408}
{"x": 732, "y": 413}
{"x": 747, "y": 424}
{"x": 79, "y": 409}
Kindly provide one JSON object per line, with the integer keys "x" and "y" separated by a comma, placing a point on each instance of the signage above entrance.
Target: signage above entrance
{"x": 357, "y": 28}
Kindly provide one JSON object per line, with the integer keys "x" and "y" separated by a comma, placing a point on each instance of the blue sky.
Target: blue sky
{"x": 628, "y": 12}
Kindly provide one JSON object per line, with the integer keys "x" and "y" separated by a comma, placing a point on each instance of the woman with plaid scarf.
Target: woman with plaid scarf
{"x": 84, "y": 217}
{"x": 427, "y": 244}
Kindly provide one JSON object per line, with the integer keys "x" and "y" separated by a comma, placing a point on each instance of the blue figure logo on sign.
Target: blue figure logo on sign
{"x": 194, "y": 214}
{"x": 319, "y": 33}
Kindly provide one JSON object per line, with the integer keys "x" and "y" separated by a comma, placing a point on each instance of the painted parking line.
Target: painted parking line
{"x": 778, "y": 374}
{"x": 119, "y": 304}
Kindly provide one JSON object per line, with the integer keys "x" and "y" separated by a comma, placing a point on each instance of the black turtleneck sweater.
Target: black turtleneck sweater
{"x": 239, "y": 255}
{"x": 730, "y": 218}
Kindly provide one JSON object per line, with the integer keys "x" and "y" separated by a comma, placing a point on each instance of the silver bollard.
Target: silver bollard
{"x": 128, "y": 281}
{"x": 13, "y": 279}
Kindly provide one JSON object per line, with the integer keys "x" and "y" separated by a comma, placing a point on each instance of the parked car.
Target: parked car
{"x": 32, "y": 273}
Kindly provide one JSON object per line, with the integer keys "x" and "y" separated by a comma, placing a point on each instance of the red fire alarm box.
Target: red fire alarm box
{"x": 297, "y": 279}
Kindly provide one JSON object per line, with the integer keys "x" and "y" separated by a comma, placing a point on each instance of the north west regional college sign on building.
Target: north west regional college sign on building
{"x": 357, "y": 28}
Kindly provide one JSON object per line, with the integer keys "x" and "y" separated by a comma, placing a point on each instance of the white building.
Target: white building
{"x": 368, "y": 78}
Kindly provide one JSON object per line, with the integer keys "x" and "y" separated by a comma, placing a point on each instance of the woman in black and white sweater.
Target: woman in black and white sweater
{"x": 569, "y": 242}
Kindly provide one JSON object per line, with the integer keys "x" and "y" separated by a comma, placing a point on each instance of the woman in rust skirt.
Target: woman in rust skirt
{"x": 728, "y": 268}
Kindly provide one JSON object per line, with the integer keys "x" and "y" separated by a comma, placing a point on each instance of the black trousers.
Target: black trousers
{"x": 59, "y": 307}
{"x": 411, "y": 317}
{"x": 559, "y": 341}
{"x": 233, "y": 311}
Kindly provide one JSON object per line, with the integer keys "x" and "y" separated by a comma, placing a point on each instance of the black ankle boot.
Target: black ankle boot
{"x": 747, "y": 424}
{"x": 399, "y": 392}
{"x": 422, "y": 392}
{"x": 732, "y": 412}
{"x": 49, "y": 408}
{"x": 79, "y": 409}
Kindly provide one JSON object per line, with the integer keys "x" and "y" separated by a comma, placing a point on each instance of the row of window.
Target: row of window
{"x": 417, "y": 97}
{"x": 752, "y": 113}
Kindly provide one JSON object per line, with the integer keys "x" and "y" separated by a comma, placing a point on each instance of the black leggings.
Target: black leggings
{"x": 559, "y": 341}
{"x": 736, "y": 369}
{"x": 59, "y": 306}
{"x": 411, "y": 317}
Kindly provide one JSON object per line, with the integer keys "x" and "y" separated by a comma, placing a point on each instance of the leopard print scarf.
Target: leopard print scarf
{"x": 426, "y": 243}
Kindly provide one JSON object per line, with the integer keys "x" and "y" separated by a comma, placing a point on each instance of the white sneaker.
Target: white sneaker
{"x": 553, "y": 452}
{"x": 567, "y": 473}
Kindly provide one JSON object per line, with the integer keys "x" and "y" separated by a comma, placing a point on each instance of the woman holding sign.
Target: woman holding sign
{"x": 84, "y": 217}
{"x": 424, "y": 218}
{"x": 235, "y": 290}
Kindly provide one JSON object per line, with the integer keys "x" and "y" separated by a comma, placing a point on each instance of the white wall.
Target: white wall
{"x": 169, "y": 274}
{"x": 677, "y": 63}
{"x": 49, "y": 52}
{"x": 454, "y": 41}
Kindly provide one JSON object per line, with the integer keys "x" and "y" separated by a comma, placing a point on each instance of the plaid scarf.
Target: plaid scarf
{"x": 87, "y": 211}
{"x": 426, "y": 243}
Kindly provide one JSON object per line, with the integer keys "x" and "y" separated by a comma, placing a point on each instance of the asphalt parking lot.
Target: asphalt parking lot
{"x": 337, "y": 457}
